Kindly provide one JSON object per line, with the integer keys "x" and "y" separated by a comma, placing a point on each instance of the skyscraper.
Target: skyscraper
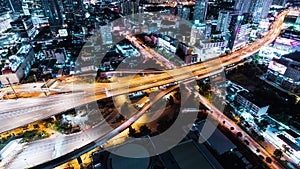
{"x": 53, "y": 10}
{"x": 200, "y": 10}
{"x": 260, "y": 9}
{"x": 73, "y": 10}
{"x": 279, "y": 2}
{"x": 224, "y": 20}
{"x": 4, "y": 5}
{"x": 15, "y": 5}
{"x": 243, "y": 6}
{"x": 184, "y": 12}
{"x": 229, "y": 23}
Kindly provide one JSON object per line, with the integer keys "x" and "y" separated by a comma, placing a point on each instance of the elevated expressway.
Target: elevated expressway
{"x": 24, "y": 111}
{"x": 21, "y": 113}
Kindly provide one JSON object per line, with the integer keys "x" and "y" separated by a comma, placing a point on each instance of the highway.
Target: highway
{"x": 51, "y": 148}
{"x": 125, "y": 85}
{"x": 33, "y": 111}
{"x": 219, "y": 116}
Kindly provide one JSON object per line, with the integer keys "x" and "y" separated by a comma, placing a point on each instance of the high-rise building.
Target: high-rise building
{"x": 294, "y": 2}
{"x": 5, "y": 20}
{"x": 243, "y": 6}
{"x": 34, "y": 8}
{"x": 183, "y": 12}
{"x": 24, "y": 26}
{"x": 242, "y": 34}
{"x": 54, "y": 12}
{"x": 73, "y": 11}
{"x": 186, "y": 13}
{"x": 200, "y": 10}
{"x": 17, "y": 66}
{"x": 15, "y": 5}
{"x": 230, "y": 24}
{"x": 260, "y": 9}
{"x": 4, "y": 5}
{"x": 279, "y": 2}
{"x": 224, "y": 20}
{"x": 200, "y": 31}
{"x": 129, "y": 7}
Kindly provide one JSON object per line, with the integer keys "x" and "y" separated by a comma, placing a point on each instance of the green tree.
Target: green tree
{"x": 278, "y": 153}
{"x": 144, "y": 130}
{"x": 269, "y": 160}
{"x": 132, "y": 132}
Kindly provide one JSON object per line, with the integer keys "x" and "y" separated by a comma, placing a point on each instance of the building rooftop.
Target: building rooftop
{"x": 289, "y": 142}
{"x": 292, "y": 133}
{"x": 217, "y": 140}
{"x": 187, "y": 155}
{"x": 288, "y": 42}
{"x": 294, "y": 56}
{"x": 14, "y": 61}
{"x": 250, "y": 97}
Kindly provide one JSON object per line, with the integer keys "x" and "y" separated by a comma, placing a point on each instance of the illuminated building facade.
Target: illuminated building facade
{"x": 285, "y": 72}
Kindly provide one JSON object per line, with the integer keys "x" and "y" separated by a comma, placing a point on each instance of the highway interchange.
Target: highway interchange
{"x": 24, "y": 111}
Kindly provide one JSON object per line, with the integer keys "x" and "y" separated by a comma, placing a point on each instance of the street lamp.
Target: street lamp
{"x": 11, "y": 87}
{"x": 45, "y": 83}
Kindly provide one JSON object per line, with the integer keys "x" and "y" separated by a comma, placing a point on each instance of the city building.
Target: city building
{"x": 291, "y": 34}
{"x": 243, "y": 6}
{"x": 186, "y": 53}
{"x": 260, "y": 9}
{"x": 24, "y": 26}
{"x": 59, "y": 54}
{"x": 167, "y": 43}
{"x": 241, "y": 35}
{"x": 218, "y": 141}
{"x": 224, "y": 20}
{"x": 15, "y": 5}
{"x": 73, "y": 11}
{"x": 285, "y": 72}
{"x": 54, "y": 11}
{"x": 177, "y": 157}
{"x": 36, "y": 11}
{"x": 287, "y": 45}
{"x": 5, "y": 20}
{"x": 211, "y": 48}
{"x": 106, "y": 34}
{"x": 127, "y": 50}
{"x": 200, "y": 10}
{"x": 129, "y": 7}
{"x": 235, "y": 28}
{"x": 183, "y": 12}
{"x": 18, "y": 66}
{"x": 200, "y": 31}
{"x": 4, "y": 6}
{"x": 279, "y": 2}
{"x": 253, "y": 106}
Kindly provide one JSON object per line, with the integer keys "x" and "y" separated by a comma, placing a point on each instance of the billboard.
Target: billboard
{"x": 277, "y": 67}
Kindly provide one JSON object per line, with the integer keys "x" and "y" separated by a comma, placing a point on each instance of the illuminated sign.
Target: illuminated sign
{"x": 277, "y": 67}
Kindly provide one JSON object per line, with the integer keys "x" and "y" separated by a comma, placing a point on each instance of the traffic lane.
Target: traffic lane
{"x": 44, "y": 113}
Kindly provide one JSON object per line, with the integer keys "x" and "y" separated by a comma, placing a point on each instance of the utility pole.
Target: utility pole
{"x": 11, "y": 87}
